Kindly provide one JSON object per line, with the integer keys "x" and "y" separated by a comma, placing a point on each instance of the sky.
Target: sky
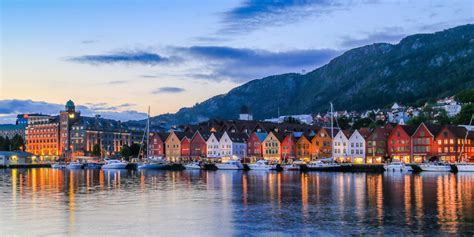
{"x": 117, "y": 57}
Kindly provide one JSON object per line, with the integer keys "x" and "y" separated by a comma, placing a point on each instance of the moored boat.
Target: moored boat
{"x": 58, "y": 166}
{"x": 74, "y": 165}
{"x": 323, "y": 166}
{"x": 262, "y": 165}
{"x": 435, "y": 167}
{"x": 152, "y": 164}
{"x": 193, "y": 166}
{"x": 230, "y": 165}
{"x": 397, "y": 166}
{"x": 465, "y": 167}
{"x": 114, "y": 164}
{"x": 296, "y": 165}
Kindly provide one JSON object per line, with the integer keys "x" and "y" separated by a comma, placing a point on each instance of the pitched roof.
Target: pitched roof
{"x": 409, "y": 129}
{"x": 347, "y": 133}
{"x": 261, "y": 135}
{"x": 434, "y": 128}
{"x": 364, "y": 132}
{"x": 238, "y": 137}
{"x": 460, "y": 132}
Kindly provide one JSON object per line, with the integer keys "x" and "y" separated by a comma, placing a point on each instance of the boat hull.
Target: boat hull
{"x": 228, "y": 167}
{"x": 114, "y": 166}
{"x": 192, "y": 167}
{"x": 74, "y": 166}
{"x": 152, "y": 166}
{"x": 465, "y": 167}
{"x": 435, "y": 168}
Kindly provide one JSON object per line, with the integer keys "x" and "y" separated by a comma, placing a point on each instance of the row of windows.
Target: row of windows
{"x": 357, "y": 144}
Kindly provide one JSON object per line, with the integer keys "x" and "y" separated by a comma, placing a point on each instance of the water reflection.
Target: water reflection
{"x": 86, "y": 202}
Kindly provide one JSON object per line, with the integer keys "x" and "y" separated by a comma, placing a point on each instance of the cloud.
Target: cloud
{"x": 244, "y": 64}
{"x": 168, "y": 90}
{"x": 253, "y": 14}
{"x": 89, "y": 41}
{"x": 117, "y": 82}
{"x": 387, "y": 35}
{"x": 138, "y": 57}
{"x": 10, "y": 108}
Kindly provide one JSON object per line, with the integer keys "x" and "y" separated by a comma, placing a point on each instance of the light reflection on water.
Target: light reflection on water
{"x": 86, "y": 202}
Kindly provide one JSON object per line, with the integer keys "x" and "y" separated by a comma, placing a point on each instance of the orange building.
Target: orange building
{"x": 303, "y": 148}
{"x": 321, "y": 143}
{"x": 42, "y": 137}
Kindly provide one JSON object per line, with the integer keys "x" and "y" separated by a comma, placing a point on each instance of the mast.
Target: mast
{"x": 332, "y": 131}
{"x": 148, "y": 134}
{"x": 465, "y": 139}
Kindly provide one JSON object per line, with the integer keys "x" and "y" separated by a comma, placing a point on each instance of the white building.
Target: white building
{"x": 213, "y": 146}
{"x": 232, "y": 144}
{"x": 451, "y": 106}
{"x": 245, "y": 113}
{"x": 357, "y": 148}
{"x": 341, "y": 147}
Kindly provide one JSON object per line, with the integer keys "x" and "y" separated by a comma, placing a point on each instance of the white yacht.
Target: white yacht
{"x": 397, "y": 166}
{"x": 436, "y": 167}
{"x": 58, "y": 166}
{"x": 193, "y": 166}
{"x": 262, "y": 165}
{"x": 320, "y": 164}
{"x": 114, "y": 164}
{"x": 74, "y": 165}
{"x": 296, "y": 165}
{"x": 465, "y": 167}
{"x": 230, "y": 165}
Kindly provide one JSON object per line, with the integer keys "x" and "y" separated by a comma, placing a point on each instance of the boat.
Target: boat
{"x": 92, "y": 165}
{"x": 465, "y": 167}
{"x": 262, "y": 165}
{"x": 230, "y": 165}
{"x": 152, "y": 164}
{"x": 114, "y": 164}
{"x": 435, "y": 167}
{"x": 296, "y": 165}
{"x": 74, "y": 165}
{"x": 58, "y": 166}
{"x": 319, "y": 165}
{"x": 193, "y": 166}
{"x": 397, "y": 166}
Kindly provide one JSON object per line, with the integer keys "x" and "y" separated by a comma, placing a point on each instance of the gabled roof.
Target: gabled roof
{"x": 163, "y": 135}
{"x": 238, "y": 137}
{"x": 433, "y": 128}
{"x": 261, "y": 135}
{"x": 364, "y": 132}
{"x": 460, "y": 132}
{"x": 409, "y": 129}
{"x": 347, "y": 133}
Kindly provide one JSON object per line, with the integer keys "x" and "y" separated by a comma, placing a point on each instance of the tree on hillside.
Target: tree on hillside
{"x": 96, "y": 150}
{"x": 464, "y": 117}
{"x": 430, "y": 115}
{"x": 292, "y": 120}
{"x": 5, "y": 144}
{"x": 362, "y": 123}
{"x": 465, "y": 96}
{"x": 343, "y": 123}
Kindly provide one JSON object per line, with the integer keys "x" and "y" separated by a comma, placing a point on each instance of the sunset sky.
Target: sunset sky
{"x": 116, "y": 57}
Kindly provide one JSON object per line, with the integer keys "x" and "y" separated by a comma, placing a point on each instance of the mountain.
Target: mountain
{"x": 421, "y": 67}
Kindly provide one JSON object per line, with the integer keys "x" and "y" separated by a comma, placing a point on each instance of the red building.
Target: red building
{"x": 377, "y": 144}
{"x": 399, "y": 143}
{"x": 423, "y": 142}
{"x": 157, "y": 144}
{"x": 186, "y": 146}
{"x": 449, "y": 144}
{"x": 42, "y": 136}
{"x": 288, "y": 147}
{"x": 198, "y": 144}
{"x": 254, "y": 145}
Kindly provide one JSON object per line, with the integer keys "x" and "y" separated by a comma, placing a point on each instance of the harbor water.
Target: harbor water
{"x": 46, "y": 201}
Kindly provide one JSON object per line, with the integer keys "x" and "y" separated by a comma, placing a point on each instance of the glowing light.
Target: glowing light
{"x": 71, "y": 116}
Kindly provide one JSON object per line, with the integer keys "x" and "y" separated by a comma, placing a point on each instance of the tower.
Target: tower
{"x": 66, "y": 119}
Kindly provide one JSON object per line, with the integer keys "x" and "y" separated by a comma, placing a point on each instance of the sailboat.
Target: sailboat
{"x": 149, "y": 162}
{"x": 464, "y": 166}
{"x": 327, "y": 164}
